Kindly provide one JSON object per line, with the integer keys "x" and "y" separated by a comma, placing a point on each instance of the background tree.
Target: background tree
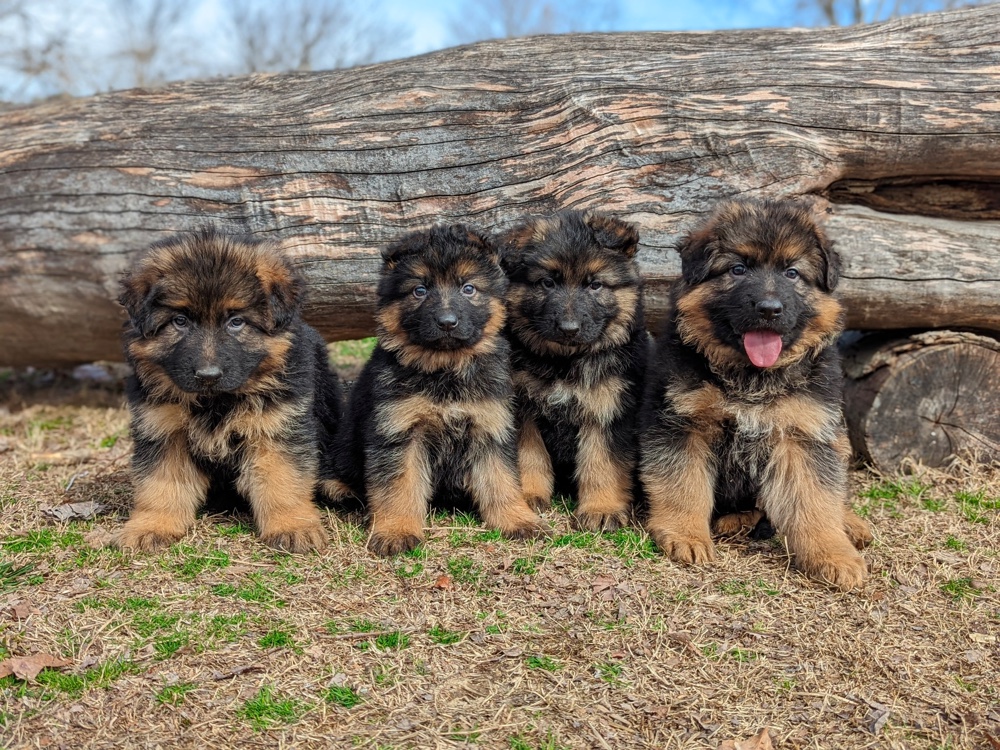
{"x": 500, "y": 19}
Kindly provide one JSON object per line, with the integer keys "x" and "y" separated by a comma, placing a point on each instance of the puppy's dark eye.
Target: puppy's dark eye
{"x": 235, "y": 324}
{"x": 548, "y": 283}
{"x": 792, "y": 273}
{"x": 420, "y": 292}
{"x": 595, "y": 285}
{"x": 180, "y": 321}
{"x": 738, "y": 270}
{"x": 469, "y": 290}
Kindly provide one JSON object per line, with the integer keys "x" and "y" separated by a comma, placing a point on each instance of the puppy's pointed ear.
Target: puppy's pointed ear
{"x": 612, "y": 233}
{"x": 696, "y": 255}
{"x": 830, "y": 270}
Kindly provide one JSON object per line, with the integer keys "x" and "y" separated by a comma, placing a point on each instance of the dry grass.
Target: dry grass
{"x": 580, "y": 640}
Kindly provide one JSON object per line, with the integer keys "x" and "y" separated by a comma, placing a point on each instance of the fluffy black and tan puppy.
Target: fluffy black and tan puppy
{"x": 231, "y": 391}
{"x": 578, "y": 350}
{"x": 743, "y": 410}
{"x": 430, "y": 415}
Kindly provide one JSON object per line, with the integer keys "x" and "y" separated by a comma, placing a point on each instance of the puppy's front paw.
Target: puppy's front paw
{"x": 590, "y": 521}
{"x": 387, "y": 545}
{"x": 690, "y": 549}
{"x": 845, "y": 570}
{"x": 145, "y": 538}
{"x": 537, "y": 503}
{"x": 858, "y": 530}
{"x": 299, "y": 540}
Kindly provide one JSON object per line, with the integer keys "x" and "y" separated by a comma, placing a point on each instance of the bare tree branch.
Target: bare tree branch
{"x": 500, "y": 19}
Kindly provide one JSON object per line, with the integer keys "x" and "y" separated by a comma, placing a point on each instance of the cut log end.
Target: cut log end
{"x": 928, "y": 399}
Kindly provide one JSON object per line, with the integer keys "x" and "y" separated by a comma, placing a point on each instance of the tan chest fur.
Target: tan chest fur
{"x": 599, "y": 402}
{"x": 251, "y": 421}
{"x": 488, "y": 417}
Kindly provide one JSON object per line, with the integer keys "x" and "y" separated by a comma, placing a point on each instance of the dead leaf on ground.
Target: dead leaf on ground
{"x": 98, "y": 538}
{"x": 74, "y": 511}
{"x": 994, "y": 742}
{"x": 28, "y": 667}
{"x": 444, "y": 582}
{"x": 23, "y": 610}
{"x": 760, "y": 741}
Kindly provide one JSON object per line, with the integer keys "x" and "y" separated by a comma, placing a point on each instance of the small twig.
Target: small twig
{"x": 237, "y": 672}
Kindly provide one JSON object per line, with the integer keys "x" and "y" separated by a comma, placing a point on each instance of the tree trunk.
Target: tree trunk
{"x": 890, "y": 129}
{"x": 926, "y": 398}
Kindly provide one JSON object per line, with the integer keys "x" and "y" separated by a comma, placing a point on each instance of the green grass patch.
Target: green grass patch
{"x": 234, "y": 529}
{"x": 277, "y": 639}
{"x": 953, "y": 542}
{"x": 110, "y": 441}
{"x": 41, "y": 540}
{"x": 169, "y": 645}
{"x": 444, "y": 637}
{"x": 12, "y": 576}
{"x": 50, "y": 424}
{"x": 578, "y": 540}
{"x": 351, "y": 353}
{"x": 342, "y": 696}
{"x": 527, "y": 566}
{"x": 737, "y": 587}
{"x": 546, "y": 663}
{"x": 608, "y": 671}
{"x": 887, "y": 494}
{"x": 464, "y": 570}
{"x": 977, "y": 507}
{"x": 173, "y": 695}
{"x": 741, "y": 654}
{"x": 252, "y": 589}
{"x": 409, "y": 569}
{"x": 266, "y": 709}
{"x": 632, "y": 544}
{"x": 391, "y": 641}
{"x": 959, "y": 589}
{"x": 194, "y": 564}
{"x": 101, "y": 676}
{"x": 549, "y": 742}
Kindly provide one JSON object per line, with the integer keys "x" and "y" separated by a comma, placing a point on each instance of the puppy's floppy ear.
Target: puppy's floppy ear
{"x": 830, "y": 269}
{"x": 139, "y": 291}
{"x": 612, "y": 233}
{"x": 513, "y": 243}
{"x": 476, "y": 239}
{"x": 696, "y": 255}
{"x": 409, "y": 244}
{"x": 284, "y": 287}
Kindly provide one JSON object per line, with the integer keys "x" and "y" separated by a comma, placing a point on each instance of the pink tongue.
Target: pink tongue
{"x": 763, "y": 347}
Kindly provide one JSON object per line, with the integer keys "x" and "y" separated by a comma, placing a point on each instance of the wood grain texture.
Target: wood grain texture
{"x": 652, "y": 126}
{"x": 926, "y": 398}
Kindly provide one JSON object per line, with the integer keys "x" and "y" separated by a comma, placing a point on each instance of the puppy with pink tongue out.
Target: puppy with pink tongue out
{"x": 742, "y": 424}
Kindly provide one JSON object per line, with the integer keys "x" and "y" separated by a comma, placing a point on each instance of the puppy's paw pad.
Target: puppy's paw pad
{"x": 297, "y": 541}
{"x": 385, "y": 545}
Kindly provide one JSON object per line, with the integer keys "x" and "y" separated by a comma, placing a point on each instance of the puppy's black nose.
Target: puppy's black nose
{"x": 208, "y": 373}
{"x": 447, "y": 320}
{"x": 569, "y": 326}
{"x": 770, "y": 308}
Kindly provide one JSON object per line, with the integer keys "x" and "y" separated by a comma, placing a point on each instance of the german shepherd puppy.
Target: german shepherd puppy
{"x": 743, "y": 409}
{"x": 578, "y": 350}
{"x": 231, "y": 390}
{"x": 430, "y": 415}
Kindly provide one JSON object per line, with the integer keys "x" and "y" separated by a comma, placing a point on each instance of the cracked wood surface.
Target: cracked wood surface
{"x": 891, "y": 130}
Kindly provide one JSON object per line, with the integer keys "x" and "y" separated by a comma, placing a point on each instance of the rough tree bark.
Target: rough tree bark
{"x": 892, "y": 130}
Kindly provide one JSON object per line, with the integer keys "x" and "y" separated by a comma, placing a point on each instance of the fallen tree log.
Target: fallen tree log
{"x": 890, "y": 129}
{"x": 931, "y": 397}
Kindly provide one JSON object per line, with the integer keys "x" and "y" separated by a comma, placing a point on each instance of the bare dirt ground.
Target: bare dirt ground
{"x": 576, "y": 641}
